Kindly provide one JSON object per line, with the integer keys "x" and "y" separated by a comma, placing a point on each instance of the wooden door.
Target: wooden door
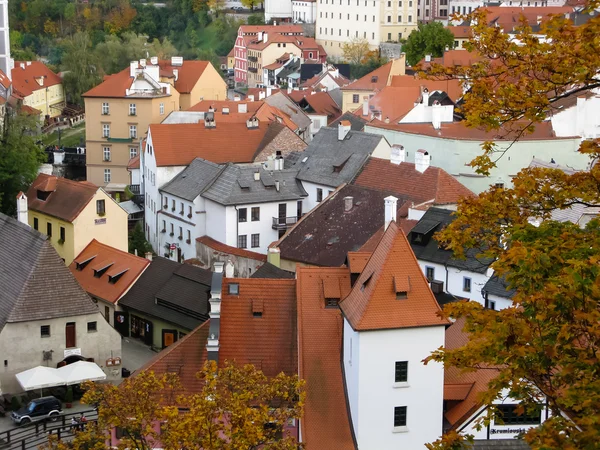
{"x": 169, "y": 336}
{"x": 70, "y": 335}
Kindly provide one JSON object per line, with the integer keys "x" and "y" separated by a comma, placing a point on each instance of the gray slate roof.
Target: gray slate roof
{"x": 357, "y": 123}
{"x": 268, "y": 270}
{"x": 433, "y": 221}
{"x": 497, "y": 286}
{"x": 35, "y": 282}
{"x": 284, "y": 103}
{"x": 332, "y": 162}
{"x": 236, "y": 185}
{"x": 193, "y": 180}
{"x": 183, "y": 286}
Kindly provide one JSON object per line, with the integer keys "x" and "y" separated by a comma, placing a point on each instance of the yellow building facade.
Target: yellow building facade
{"x": 39, "y": 87}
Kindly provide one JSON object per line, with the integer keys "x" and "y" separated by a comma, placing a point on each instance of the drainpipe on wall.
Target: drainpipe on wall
{"x": 237, "y": 224}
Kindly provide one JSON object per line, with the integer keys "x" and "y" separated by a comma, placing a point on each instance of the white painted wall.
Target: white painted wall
{"x": 383, "y": 150}
{"x": 318, "y": 121}
{"x": 303, "y": 11}
{"x": 463, "y": 7}
{"x": 453, "y": 155}
{"x": 378, "y": 393}
{"x": 423, "y": 113}
{"x": 311, "y": 188}
{"x": 351, "y": 358}
{"x": 277, "y": 9}
{"x": 582, "y": 119}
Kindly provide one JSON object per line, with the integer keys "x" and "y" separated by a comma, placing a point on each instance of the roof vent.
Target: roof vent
{"x": 225, "y": 110}
{"x": 209, "y": 120}
{"x": 242, "y": 108}
{"x": 401, "y": 286}
{"x": 177, "y": 60}
{"x": 252, "y": 123}
{"x": 257, "y": 175}
{"x": 348, "y": 203}
{"x": 154, "y": 60}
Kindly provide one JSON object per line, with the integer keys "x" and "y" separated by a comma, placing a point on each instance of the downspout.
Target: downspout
{"x": 237, "y": 224}
{"x": 446, "y": 286}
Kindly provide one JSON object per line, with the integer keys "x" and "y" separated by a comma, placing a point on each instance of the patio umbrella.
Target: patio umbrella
{"x": 81, "y": 371}
{"x": 39, "y": 377}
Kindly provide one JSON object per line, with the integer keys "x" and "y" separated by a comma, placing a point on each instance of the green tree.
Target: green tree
{"x": 256, "y": 19}
{"x": 355, "y": 51}
{"x": 252, "y": 4}
{"x": 81, "y": 67}
{"x": 20, "y": 158}
{"x": 546, "y": 346}
{"x": 138, "y": 242}
{"x": 429, "y": 39}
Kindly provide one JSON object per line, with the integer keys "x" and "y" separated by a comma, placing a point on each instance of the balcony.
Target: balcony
{"x": 252, "y": 59}
{"x": 283, "y": 223}
{"x": 252, "y": 69}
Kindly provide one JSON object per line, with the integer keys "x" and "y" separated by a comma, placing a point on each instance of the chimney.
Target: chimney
{"x": 176, "y": 60}
{"x": 154, "y": 60}
{"x": 149, "y": 256}
{"x": 269, "y": 92}
{"x": 257, "y": 175}
{"x": 261, "y": 95}
{"x": 225, "y": 110}
{"x": 365, "y": 111}
{"x": 229, "y": 269}
{"x": 22, "y": 66}
{"x": 427, "y": 58}
{"x": 251, "y": 98}
{"x": 348, "y": 203}
{"x": 209, "y": 120}
{"x": 422, "y": 160}
{"x": 260, "y": 36}
{"x": 425, "y": 96}
{"x": 143, "y": 62}
{"x": 22, "y": 214}
{"x": 176, "y": 74}
{"x": 212, "y": 345}
{"x": 236, "y": 98}
{"x": 133, "y": 65}
{"x": 289, "y": 91}
{"x": 436, "y": 116}
{"x": 278, "y": 160}
{"x": 265, "y": 37}
{"x": 277, "y": 185}
{"x": 398, "y": 154}
{"x": 391, "y": 205}
{"x": 252, "y": 123}
{"x": 343, "y": 129}
{"x": 242, "y": 108}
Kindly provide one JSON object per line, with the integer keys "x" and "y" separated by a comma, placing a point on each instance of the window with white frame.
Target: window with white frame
{"x": 161, "y": 109}
{"x": 132, "y": 152}
{"x": 107, "y": 175}
{"x": 106, "y": 130}
{"x": 132, "y": 109}
{"x": 105, "y": 109}
{"x": 106, "y": 153}
{"x": 133, "y": 131}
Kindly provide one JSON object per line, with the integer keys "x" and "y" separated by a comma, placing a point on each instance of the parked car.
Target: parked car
{"x": 44, "y": 408}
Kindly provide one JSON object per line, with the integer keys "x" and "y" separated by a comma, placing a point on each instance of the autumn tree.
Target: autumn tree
{"x": 428, "y": 39}
{"x": 355, "y": 51}
{"x": 236, "y": 408}
{"x": 20, "y": 158}
{"x": 545, "y": 348}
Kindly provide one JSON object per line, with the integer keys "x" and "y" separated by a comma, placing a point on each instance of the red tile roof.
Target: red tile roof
{"x": 357, "y": 261}
{"x": 451, "y": 87}
{"x": 459, "y": 131}
{"x": 223, "y": 248}
{"x": 113, "y": 86}
{"x": 233, "y": 106}
{"x": 188, "y": 74}
{"x": 403, "y": 179}
{"x": 186, "y": 358}
{"x": 134, "y": 163}
{"x": 179, "y": 144}
{"x": 509, "y": 17}
{"x": 25, "y": 80}
{"x": 461, "y": 32}
{"x": 271, "y": 29}
{"x": 100, "y": 255}
{"x": 392, "y": 270}
{"x": 322, "y": 103}
{"x": 269, "y": 342}
{"x": 373, "y": 81}
{"x": 66, "y": 198}
{"x": 326, "y": 423}
{"x": 457, "y": 391}
{"x": 479, "y": 379}
{"x": 269, "y": 113}
{"x": 452, "y": 58}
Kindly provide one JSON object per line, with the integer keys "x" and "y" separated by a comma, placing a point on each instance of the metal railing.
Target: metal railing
{"x": 282, "y": 223}
{"x": 33, "y": 435}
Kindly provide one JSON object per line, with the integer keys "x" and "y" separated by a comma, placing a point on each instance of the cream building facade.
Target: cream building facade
{"x": 39, "y": 87}
{"x": 119, "y": 111}
{"x": 376, "y": 21}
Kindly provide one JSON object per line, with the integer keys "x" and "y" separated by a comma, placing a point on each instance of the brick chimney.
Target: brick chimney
{"x": 22, "y": 213}
{"x": 216, "y": 287}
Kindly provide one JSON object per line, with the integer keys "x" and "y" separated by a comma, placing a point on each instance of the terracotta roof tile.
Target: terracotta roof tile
{"x": 233, "y": 106}
{"x": 373, "y": 81}
{"x": 326, "y": 423}
{"x": 461, "y": 32}
{"x": 269, "y": 342}
{"x": 403, "y": 179}
{"x": 66, "y": 198}
{"x": 322, "y": 103}
{"x": 223, "y": 248}
{"x": 268, "y": 113}
{"x": 509, "y": 17}
{"x": 451, "y": 87}
{"x": 459, "y": 131}
{"x": 134, "y": 163}
{"x": 245, "y": 29}
{"x": 113, "y": 86}
{"x": 357, "y": 261}
{"x": 452, "y": 58}
{"x": 392, "y": 271}
{"x": 457, "y": 391}
{"x": 129, "y": 265}
{"x": 179, "y": 144}
{"x": 25, "y": 81}
{"x": 479, "y": 379}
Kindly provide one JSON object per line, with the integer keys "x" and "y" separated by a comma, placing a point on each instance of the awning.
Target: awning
{"x": 81, "y": 371}
{"x": 39, "y": 377}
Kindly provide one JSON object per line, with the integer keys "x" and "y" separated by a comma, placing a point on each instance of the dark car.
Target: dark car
{"x": 38, "y": 409}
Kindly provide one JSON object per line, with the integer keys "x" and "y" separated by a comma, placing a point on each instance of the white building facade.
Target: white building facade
{"x": 277, "y": 9}
{"x": 304, "y": 11}
{"x": 581, "y": 119}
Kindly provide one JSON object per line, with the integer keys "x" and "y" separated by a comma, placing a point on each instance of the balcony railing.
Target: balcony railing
{"x": 283, "y": 223}
{"x": 252, "y": 69}
{"x": 252, "y": 58}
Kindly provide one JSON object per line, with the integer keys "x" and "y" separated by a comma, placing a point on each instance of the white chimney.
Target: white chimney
{"x": 236, "y": 98}
{"x": 289, "y": 89}
{"x": 154, "y": 60}
{"x": 365, "y": 111}
{"x": 229, "y": 268}
{"x": 149, "y": 256}
{"x": 427, "y": 58}
{"x": 261, "y": 95}
{"x": 425, "y": 96}
{"x": 257, "y": 175}
{"x": 177, "y": 61}
{"x": 260, "y": 36}
{"x": 343, "y": 129}
{"x": 251, "y": 98}
{"x": 436, "y": 116}
{"x": 391, "y": 203}
{"x": 398, "y": 154}
{"x": 22, "y": 66}
{"x": 143, "y": 62}
{"x": 218, "y": 267}
{"x": 176, "y": 74}
{"x": 22, "y": 214}
{"x": 225, "y": 110}
{"x": 133, "y": 65}
{"x": 269, "y": 92}
{"x": 242, "y": 108}
{"x": 348, "y": 203}
{"x": 422, "y": 160}
{"x": 277, "y": 185}
{"x": 265, "y": 37}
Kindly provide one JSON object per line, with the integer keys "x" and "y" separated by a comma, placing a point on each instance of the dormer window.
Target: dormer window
{"x": 234, "y": 289}
{"x": 42, "y": 195}
{"x": 112, "y": 279}
{"x": 401, "y": 286}
{"x": 331, "y": 302}
{"x": 257, "y": 308}
{"x": 374, "y": 79}
{"x": 366, "y": 282}
{"x": 80, "y": 265}
{"x": 99, "y": 272}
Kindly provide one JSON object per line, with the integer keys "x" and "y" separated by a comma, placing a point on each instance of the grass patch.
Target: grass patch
{"x": 70, "y": 137}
